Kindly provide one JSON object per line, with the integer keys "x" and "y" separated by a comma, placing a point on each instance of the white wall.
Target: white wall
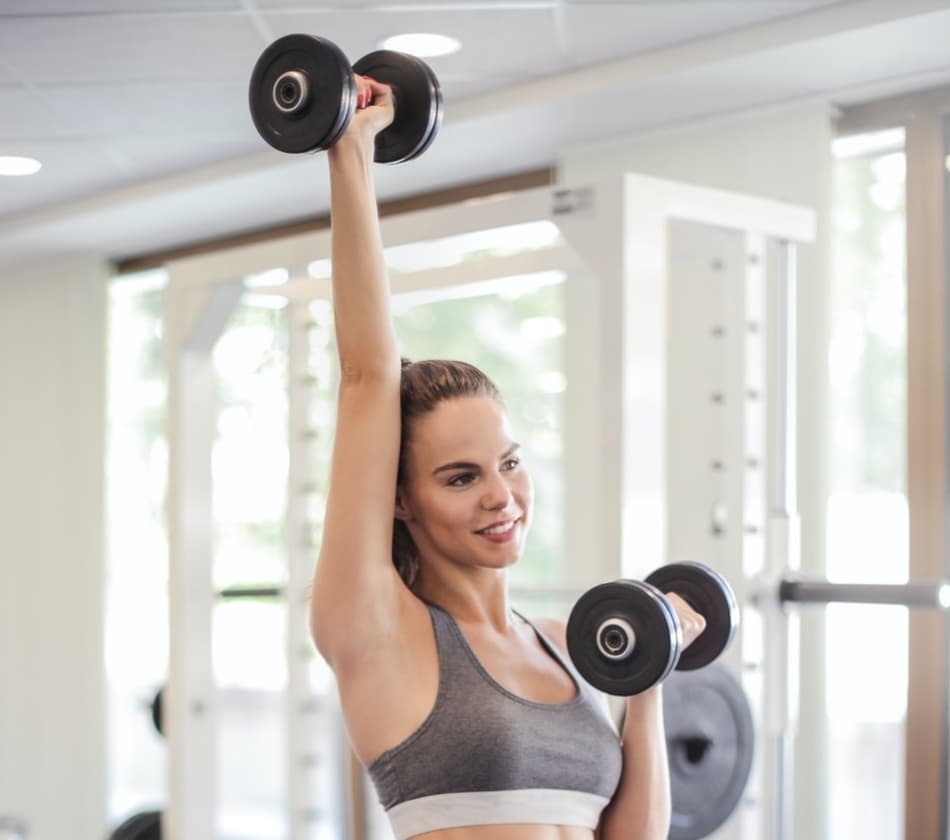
{"x": 781, "y": 153}
{"x": 52, "y": 680}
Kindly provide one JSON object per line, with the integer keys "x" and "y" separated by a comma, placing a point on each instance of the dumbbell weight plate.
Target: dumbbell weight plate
{"x": 709, "y": 593}
{"x": 418, "y": 102}
{"x": 599, "y": 620}
{"x": 311, "y": 122}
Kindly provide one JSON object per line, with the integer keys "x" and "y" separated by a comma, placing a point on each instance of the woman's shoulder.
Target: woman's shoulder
{"x": 555, "y": 629}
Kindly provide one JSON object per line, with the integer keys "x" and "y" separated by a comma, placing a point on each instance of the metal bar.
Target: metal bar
{"x": 238, "y": 592}
{"x": 782, "y": 541}
{"x": 528, "y": 593}
{"x": 783, "y": 487}
{"x": 914, "y": 595}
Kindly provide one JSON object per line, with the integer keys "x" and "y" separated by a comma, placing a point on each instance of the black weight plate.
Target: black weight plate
{"x": 329, "y": 105}
{"x": 710, "y": 742}
{"x": 435, "y": 122}
{"x": 658, "y": 639}
{"x": 144, "y": 826}
{"x": 709, "y": 593}
{"x": 156, "y": 710}
{"x": 418, "y": 103}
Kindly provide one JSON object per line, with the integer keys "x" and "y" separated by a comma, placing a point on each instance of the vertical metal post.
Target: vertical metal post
{"x": 944, "y": 792}
{"x": 747, "y": 463}
{"x": 928, "y": 463}
{"x": 300, "y": 706}
{"x": 781, "y": 630}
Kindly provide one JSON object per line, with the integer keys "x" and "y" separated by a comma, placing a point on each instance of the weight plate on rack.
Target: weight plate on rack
{"x": 144, "y": 826}
{"x": 710, "y": 742}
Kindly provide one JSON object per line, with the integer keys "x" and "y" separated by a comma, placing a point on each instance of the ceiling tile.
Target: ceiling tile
{"x": 92, "y": 49}
{"x": 69, "y": 170}
{"x": 28, "y": 116}
{"x": 201, "y": 111}
{"x": 590, "y": 33}
{"x": 38, "y": 8}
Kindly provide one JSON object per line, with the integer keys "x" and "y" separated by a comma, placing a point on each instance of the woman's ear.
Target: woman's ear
{"x": 402, "y": 509}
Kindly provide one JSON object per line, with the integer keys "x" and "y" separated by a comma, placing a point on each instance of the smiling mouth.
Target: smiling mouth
{"x": 502, "y": 528}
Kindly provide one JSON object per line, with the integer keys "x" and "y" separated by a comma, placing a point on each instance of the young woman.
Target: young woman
{"x": 471, "y": 720}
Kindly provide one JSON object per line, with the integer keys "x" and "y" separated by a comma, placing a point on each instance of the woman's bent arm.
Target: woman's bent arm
{"x": 641, "y": 807}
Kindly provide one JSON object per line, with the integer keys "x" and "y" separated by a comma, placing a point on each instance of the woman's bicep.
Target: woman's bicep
{"x": 355, "y": 584}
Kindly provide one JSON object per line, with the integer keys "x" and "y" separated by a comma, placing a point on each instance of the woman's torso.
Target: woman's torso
{"x": 448, "y": 686}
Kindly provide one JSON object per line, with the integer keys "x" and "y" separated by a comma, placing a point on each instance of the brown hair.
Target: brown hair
{"x": 423, "y": 385}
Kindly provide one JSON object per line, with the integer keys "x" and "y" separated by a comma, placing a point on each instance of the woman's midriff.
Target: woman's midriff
{"x": 509, "y": 832}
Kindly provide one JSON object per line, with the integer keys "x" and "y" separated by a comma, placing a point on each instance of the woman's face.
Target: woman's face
{"x": 466, "y": 496}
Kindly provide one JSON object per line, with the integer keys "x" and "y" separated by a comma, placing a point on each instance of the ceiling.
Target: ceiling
{"x": 138, "y": 108}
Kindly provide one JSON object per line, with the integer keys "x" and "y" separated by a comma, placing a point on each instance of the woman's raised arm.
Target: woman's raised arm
{"x": 357, "y": 592}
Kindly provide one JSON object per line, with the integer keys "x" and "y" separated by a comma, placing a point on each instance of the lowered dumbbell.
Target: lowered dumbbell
{"x": 303, "y": 94}
{"x": 624, "y": 636}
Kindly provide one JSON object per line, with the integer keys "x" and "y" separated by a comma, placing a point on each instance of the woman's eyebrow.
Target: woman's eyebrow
{"x": 470, "y": 465}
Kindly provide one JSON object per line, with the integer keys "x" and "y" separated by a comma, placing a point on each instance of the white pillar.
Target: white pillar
{"x": 195, "y": 318}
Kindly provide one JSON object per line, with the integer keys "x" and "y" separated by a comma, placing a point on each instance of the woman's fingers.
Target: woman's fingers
{"x": 374, "y": 103}
{"x": 691, "y": 622}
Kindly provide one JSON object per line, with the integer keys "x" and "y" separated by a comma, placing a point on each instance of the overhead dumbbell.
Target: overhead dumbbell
{"x": 303, "y": 94}
{"x": 624, "y": 636}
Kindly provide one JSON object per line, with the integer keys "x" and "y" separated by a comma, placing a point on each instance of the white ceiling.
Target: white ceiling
{"x": 138, "y": 108}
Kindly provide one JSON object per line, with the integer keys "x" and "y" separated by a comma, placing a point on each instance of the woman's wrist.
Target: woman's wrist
{"x": 353, "y": 145}
{"x": 644, "y": 708}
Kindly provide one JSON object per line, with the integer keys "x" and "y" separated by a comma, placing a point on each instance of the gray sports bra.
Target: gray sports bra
{"x": 485, "y": 756}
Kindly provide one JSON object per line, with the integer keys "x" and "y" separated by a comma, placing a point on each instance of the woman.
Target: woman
{"x": 472, "y": 721}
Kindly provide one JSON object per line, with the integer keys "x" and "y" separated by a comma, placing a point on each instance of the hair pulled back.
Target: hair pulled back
{"x": 423, "y": 386}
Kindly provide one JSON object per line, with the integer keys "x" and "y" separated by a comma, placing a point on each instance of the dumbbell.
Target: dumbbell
{"x": 303, "y": 94}
{"x": 624, "y": 636}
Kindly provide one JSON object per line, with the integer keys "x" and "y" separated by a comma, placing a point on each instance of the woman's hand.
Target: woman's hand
{"x": 691, "y": 621}
{"x": 375, "y": 110}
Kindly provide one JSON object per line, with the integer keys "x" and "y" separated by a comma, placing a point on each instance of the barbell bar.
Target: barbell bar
{"x": 919, "y": 594}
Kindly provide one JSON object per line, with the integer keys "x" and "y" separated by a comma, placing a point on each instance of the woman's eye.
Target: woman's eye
{"x": 511, "y": 463}
{"x": 460, "y": 480}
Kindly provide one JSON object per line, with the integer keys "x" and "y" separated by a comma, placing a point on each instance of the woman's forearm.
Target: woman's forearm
{"x": 366, "y": 339}
{"x": 640, "y": 809}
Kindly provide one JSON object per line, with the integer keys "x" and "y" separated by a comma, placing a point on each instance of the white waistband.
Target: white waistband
{"x": 495, "y": 807}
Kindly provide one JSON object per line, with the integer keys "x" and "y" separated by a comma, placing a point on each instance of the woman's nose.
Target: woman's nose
{"x": 497, "y": 493}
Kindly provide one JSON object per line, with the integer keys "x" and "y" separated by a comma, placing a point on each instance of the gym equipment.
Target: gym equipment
{"x": 919, "y": 594}
{"x": 710, "y": 742}
{"x": 13, "y": 828}
{"x": 144, "y": 826}
{"x": 609, "y": 624}
{"x": 303, "y": 94}
{"x": 603, "y": 631}
{"x": 156, "y": 710}
{"x": 709, "y": 593}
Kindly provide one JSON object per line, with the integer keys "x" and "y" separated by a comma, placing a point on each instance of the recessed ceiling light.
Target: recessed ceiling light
{"x": 422, "y": 44}
{"x": 19, "y": 166}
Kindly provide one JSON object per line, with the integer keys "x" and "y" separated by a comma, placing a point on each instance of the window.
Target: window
{"x": 482, "y": 297}
{"x": 514, "y": 335}
{"x": 136, "y": 634}
{"x": 868, "y": 534}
